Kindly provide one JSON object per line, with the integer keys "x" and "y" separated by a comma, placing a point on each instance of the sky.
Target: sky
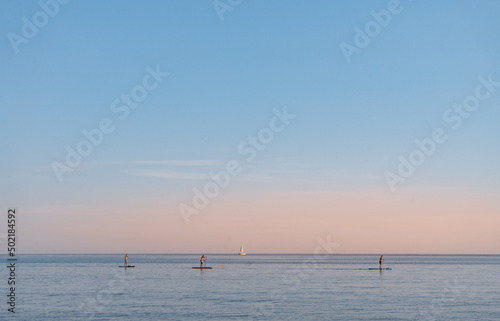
{"x": 198, "y": 126}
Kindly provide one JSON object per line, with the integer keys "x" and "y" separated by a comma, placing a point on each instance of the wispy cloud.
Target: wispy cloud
{"x": 258, "y": 178}
{"x": 169, "y": 174}
{"x": 199, "y": 162}
{"x": 57, "y": 209}
{"x": 178, "y": 162}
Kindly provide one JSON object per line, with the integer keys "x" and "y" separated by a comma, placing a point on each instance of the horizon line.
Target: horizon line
{"x": 19, "y": 254}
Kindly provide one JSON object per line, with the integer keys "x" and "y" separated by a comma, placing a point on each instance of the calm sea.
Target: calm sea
{"x": 254, "y": 287}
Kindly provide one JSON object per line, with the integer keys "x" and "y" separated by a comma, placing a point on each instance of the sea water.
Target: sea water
{"x": 254, "y": 287}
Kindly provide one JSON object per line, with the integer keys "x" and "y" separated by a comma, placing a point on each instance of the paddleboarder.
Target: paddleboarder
{"x": 380, "y": 261}
{"x": 126, "y": 260}
{"x": 203, "y": 259}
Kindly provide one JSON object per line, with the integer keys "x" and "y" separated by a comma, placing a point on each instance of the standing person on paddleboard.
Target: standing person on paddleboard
{"x": 203, "y": 259}
{"x": 380, "y": 261}
{"x": 126, "y": 260}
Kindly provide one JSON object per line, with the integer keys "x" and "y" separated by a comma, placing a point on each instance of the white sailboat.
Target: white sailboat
{"x": 241, "y": 252}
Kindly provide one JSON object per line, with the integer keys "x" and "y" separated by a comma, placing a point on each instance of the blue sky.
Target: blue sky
{"x": 352, "y": 121}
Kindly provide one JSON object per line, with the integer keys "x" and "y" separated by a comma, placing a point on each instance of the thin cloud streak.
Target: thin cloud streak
{"x": 169, "y": 174}
{"x": 199, "y": 162}
{"x": 180, "y": 175}
{"x": 182, "y": 162}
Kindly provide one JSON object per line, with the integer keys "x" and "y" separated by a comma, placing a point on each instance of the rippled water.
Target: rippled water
{"x": 283, "y": 287}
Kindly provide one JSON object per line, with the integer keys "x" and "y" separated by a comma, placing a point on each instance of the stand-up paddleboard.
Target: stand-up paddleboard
{"x": 126, "y": 266}
{"x": 203, "y": 268}
{"x": 379, "y": 268}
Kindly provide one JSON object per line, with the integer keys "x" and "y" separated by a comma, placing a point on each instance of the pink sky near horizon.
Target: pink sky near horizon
{"x": 369, "y": 222}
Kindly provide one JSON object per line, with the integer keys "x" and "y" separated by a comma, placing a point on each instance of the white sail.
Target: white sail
{"x": 241, "y": 252}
